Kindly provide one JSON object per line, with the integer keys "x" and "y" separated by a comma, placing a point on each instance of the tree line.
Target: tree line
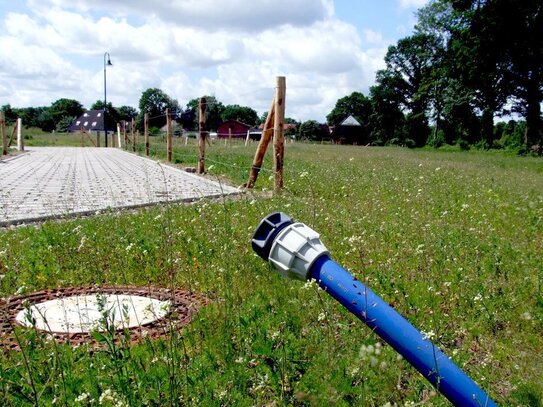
{"x": 153, "y": 101}
{"x": 467, "y": 63}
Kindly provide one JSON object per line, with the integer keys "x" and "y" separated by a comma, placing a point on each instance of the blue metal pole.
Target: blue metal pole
{"x": 297, "y": 252}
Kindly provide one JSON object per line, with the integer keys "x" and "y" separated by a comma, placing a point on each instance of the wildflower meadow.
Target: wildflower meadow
{"x": 452, "y": 240}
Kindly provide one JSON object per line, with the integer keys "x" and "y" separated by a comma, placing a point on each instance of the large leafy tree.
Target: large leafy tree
{"x": 409, "y": 67}
{"x": 493, "y": 55}
{"x": 450, "y": 98}
{"x": 10, "y": 115}
{"x": 243, "y": 114}
{"x": 214, "y": 110}
{"x": 154, "y": 102}
{"x": 33, "y": 117}
{"x": 355, "y": 104}
{"x": 387, "y": 120}
{"x": 65, "y": 109}
{"x": 311, "y": 130}
{"x": 112, "y": 112}
{"x": 477, "y": 47}
{"x": 127, "y": 113}
{"x": 524, "y": 39}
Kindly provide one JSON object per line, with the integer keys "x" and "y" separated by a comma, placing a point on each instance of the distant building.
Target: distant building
{"x": 92, "y": 121}
{"x": 350, "y": 131}
{"x": 232, "y": 128}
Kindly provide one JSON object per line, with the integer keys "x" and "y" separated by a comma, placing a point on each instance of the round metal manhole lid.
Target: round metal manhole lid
{"x": 72, "y": 315}
{"x": 96, "y": 312}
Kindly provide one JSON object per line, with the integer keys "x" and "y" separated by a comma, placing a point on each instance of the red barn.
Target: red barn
{"x": 232, "y": 128}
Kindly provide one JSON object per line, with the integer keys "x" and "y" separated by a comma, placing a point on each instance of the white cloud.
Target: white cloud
{"x": 208, "y": 15}
{"x": 187, "y": 48}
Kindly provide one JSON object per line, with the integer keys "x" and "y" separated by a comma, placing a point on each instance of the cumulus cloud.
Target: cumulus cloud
{"x": 209, "y": 14}
{"x": 187, "y": 48}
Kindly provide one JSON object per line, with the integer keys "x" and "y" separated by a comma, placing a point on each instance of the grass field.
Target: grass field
{"x": 452, "y": 239}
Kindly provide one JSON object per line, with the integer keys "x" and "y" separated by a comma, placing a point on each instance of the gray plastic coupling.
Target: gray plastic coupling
{"x": 295, "y": 249}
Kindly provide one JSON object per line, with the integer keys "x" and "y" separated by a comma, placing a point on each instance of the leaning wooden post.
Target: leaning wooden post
{"x": 278, "y": 137}
{"x": 169, "y": 143}
{"x": 146, "y": 132}
{"x": 4, "y": 135}
{"x": 262, "y": 146}
{"x": 133, "y": 134}
{"x": 203, "y": 135}
{"x": 13, "y": 132}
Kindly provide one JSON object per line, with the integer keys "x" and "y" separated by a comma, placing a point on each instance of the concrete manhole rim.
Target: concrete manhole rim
{"x": 182, "y": 307}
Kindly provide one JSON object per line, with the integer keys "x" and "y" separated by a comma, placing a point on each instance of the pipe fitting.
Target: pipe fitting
{"x": 295, "y": 249}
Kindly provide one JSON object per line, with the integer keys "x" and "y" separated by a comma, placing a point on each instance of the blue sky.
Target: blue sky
{"x": 232, "y": 49}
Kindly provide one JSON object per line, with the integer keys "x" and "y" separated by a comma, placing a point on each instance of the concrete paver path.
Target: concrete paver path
{"x": 55, "y": 181}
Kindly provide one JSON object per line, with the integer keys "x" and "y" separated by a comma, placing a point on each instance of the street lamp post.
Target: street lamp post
{"x": 106, "y": 63}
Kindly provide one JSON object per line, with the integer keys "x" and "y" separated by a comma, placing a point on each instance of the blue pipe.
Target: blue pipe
{"x": 297, "y": 252}
{"x": 433, "y": 364}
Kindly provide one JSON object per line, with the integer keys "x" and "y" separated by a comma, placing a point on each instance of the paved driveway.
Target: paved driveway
{"x": 54, "y": 181}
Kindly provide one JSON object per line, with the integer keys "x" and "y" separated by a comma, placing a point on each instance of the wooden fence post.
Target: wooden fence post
{"x": 13, "y": 132}
{"x": 133, "y": 134}
{"x": 203, "y": 135}
{"x": 125, "y": 136}
{"x": 146, "y": 132}
{"x": 4, "y": 135}
{"x": 278, "y": 137}
{"x": 119, "y": 134}
{"x": 262, "y": 146}
{"x": 169, "y": 143}
{"x": 20, "y": 138}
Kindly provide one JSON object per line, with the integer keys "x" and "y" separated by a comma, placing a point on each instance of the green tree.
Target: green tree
{"x": 127, "y": 113}
{"x": 63, "y": 124}
{"x": 154, "y": 102}
{"x": 45, "y": 121}
{"x": 112, "y": 112}
{"x": 214, "y": 110}
{"x": 475, "y": 34}
{"x": 28, "y": 115}
{"x": 450, "y": 93}
{"x": 311, "y": 130}
{"x": 243, "y": 114}
{"x": 65, "y": 108}
{"x": 387, "y": 120}
{"x": 356, "y": 104}
{"x": 9, "y": 114}
{"x": 524, "y": 45}
{"x": 409, "y": 66}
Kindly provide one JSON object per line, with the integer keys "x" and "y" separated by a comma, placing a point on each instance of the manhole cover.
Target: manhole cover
{"x": 73, "y": 314}
{"x": 97, "y": 312}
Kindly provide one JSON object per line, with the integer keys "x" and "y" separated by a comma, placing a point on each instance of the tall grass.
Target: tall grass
{"x": 452, "y": 240}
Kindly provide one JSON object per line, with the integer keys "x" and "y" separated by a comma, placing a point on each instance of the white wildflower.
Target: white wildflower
{"x": 428, "y": 335}
{"x": 82, "y": 397}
